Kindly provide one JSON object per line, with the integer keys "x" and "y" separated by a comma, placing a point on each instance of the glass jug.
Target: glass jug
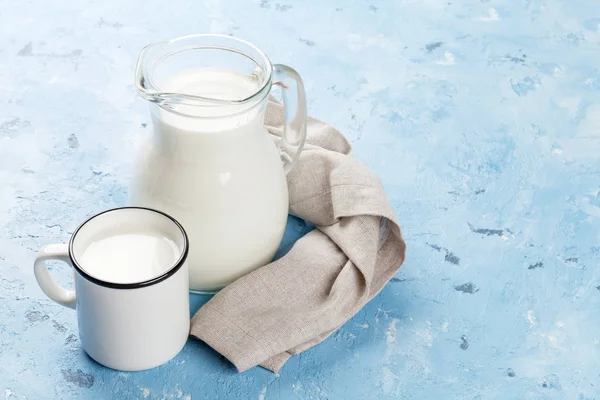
{"x": 210, "y": 162}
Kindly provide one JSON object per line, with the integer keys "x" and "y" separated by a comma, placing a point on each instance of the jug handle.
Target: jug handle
{"x": 294, "y": 105}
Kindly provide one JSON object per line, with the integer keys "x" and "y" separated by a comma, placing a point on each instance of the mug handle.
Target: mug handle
{"x": 294, "y": 105}
{"x": 49, "y": 286}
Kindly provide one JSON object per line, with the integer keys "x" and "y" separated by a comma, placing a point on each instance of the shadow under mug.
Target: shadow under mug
{"x": 125, "y": 326}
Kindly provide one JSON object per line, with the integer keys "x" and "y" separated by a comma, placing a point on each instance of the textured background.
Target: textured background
{"x": 481, "y": 117}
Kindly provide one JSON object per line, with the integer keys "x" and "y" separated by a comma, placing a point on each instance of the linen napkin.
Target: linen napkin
{"x": 295, "y": 302}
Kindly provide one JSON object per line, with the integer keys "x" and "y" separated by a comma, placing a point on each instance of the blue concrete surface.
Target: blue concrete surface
{"x": 481, "y": 117}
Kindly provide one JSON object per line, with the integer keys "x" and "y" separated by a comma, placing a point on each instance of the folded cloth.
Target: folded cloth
{"x": 295, "y": 302}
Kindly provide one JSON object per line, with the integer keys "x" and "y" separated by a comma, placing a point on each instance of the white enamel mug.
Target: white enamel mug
{"x": 129, "y": 326}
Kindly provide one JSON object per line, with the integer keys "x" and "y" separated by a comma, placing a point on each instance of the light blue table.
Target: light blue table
{"x": 481, "y": 117}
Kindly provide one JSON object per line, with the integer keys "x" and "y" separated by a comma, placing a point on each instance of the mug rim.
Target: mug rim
{"x": 133, "y": 285}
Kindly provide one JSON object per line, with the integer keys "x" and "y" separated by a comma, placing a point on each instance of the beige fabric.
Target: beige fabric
{"x": 297, "y": 301}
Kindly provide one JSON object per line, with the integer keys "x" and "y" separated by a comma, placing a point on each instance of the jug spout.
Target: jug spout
{"x": 143, "y": 80}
